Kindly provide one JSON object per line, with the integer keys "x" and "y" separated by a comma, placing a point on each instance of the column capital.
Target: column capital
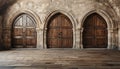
{"x": 113, "y": 29}
{"x": 110, "y": 30}
{"x": 39, "y": 29}
{"x": 80, "y": 29}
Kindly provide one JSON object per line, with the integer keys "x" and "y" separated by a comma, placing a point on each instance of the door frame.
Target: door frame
{"x": 59, "y": 28}
{"x": 93, "y": 29}
{"x": 110, "y": 27}
{"x": 72, "y": 21}
{"x": 11, "y": 19}
{"x": 16, "y": 19}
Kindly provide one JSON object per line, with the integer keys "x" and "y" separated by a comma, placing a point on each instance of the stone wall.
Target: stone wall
{"x": 76, "y": 10}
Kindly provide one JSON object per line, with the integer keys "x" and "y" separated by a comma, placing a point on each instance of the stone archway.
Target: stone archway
{"x": 59, "y": 32}
{"x": 95, "y": 34}
{"x": 109, "y": 27}
{"x": 24, "y": 32}
{"x": 73, "y": 29}
{"x": 9, "y": 23}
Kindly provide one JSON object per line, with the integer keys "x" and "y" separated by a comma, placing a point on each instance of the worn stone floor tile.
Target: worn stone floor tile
{"x": 61, "y": 58}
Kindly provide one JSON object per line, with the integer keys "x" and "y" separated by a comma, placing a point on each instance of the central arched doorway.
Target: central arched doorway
{"x": 59, "y": 32}
{"x": 95, "y": 34}
{"x": 24, "y": 33}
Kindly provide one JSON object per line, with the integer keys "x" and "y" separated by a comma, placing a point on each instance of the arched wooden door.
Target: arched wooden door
{"x": 24, "y": 32}
{"x": 59, "y": 32}
{"x": 95, "y": 34}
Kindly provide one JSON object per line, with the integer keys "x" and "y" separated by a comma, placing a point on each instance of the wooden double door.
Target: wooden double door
{"x": 24, "y": 32}
{"x": 59, "y": 32}
{"x": 95, "y": 34}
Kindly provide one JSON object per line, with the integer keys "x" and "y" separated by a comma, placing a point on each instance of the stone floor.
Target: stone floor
{"x": 60, "y": 59}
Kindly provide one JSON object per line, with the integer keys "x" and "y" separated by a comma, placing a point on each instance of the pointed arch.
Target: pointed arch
{"x": 103, "y": 14}
{"x": 66, "y": 15}
{"x": 110, "y": 26}
{"x": 29, "y": 18}
{"x": 9, "y": 24}
{"x": 24, "y": 33}
{"x": 95, "y": 34}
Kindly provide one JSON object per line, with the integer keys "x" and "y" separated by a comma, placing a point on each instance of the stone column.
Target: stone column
{"x": 39, "y": 38}
{"x": 81, "y": 38}
{"x": 110, "y": 39}
{"x": 119, "y": 39}
{"x": 116, "y": 38}
{"x": 76, "y": 39}
{"x": 44, "y": 38}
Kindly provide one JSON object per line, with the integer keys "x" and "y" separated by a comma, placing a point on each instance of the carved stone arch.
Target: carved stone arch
{"x": 66, "y": 14}
{"x": 101, "y": 13}
{"x": 70, "y": 16}
{"x": 12, "y": 17}
{"x": 19, "y": 16}
{"x": 24, "y": 34}
{"x": 110, "y": 26}
{"x": 19, "y": 12}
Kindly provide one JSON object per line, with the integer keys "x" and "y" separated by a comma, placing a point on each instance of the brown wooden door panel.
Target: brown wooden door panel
{"x": 53, "y": 33}
{"x": 24, "y": 32}
{"x": 100, "y": 32}
{"x": 31, "y": 42}
{"x": 18, "y": 41}
{"x": 54, "y": 22}
{"x": 59, "y": 32}
{"x": 66, "y": 33}
{"x": 53, "y": 43}
{"x": 30, "y": 32}
{"x": 88, "y": 32}
{"x": 89, "y": 41}
{"x": 101, "y": 41}
{"x": 95, "y": 32}
{"x": 66, "y": 22}
{"x": 18, "y": 32}
{"x": 67, "y": 43}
